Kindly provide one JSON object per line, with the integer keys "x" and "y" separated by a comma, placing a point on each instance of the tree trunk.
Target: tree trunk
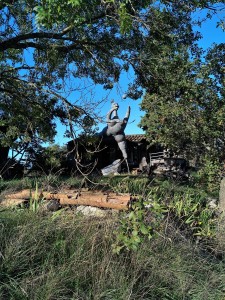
{"x": 4, "y": 152}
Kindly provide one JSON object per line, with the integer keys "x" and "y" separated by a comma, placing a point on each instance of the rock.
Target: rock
{"x": 112, "y": 169}
{"x": 222, "y": 195}
{"x": 91, "y": 211}
{"x": 212, "y": 203}
{"x": 52, "y": 205}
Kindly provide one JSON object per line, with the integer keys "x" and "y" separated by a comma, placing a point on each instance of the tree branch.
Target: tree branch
{"x": 77, "y": 44}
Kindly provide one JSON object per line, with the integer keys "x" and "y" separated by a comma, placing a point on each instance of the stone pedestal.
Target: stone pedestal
{"x": 222, "y": 195}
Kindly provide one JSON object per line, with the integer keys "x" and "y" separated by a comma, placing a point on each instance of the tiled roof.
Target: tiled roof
{"x": 135, "y": 137}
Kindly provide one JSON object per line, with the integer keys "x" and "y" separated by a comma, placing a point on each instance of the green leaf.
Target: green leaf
{"x": 144, "y": 229}
{"x": 134, "y": 233}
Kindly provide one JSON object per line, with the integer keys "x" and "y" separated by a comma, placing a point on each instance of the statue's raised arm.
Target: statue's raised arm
{"x": 127, "y": 116}
{"x": 112, "y": 116}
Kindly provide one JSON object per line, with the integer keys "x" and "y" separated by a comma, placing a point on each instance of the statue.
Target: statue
{"x": 115, "y": 127}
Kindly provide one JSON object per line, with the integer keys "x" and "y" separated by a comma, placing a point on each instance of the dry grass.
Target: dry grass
{"x": 70, "y": 257}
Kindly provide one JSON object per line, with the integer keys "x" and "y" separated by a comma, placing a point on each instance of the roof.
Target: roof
{"x": 135, "y": 137}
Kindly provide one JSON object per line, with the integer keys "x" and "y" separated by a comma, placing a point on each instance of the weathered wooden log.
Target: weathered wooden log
{"x": 96, "y": 199}
{"x": 27, "y": 194}
{"x": 12, "y": 202}
{"x": 24, "y": 194}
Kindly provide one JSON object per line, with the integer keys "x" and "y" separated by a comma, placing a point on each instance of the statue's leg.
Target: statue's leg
{"x": 122, "y": 146}
{"x": 128, "y": 169}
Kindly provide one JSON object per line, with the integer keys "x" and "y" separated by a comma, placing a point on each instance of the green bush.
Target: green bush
{"x": 209, "y": 174}
{"x": 188, "y": 207}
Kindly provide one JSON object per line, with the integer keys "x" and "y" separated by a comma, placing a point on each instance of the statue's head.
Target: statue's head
{"x": 114, "y": 105}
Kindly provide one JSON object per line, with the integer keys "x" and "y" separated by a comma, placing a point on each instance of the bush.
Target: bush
{"x": 209, "y": 174}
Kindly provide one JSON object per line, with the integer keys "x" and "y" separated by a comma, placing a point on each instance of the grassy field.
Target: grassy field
{"x": 64, "y": 255}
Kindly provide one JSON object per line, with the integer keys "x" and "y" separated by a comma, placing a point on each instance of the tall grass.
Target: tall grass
{"x": 45, "y": 182}
{"x": 121, "y": 184}
{"x": 70, "y": 257}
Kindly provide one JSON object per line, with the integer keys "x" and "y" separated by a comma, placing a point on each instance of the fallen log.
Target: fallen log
{"x": 24, "y": 194}
{"x": 12, "y": 202}
{"x": 96, "y": 199}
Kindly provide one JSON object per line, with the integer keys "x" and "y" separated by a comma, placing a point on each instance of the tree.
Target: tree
{"x": 185, "y": 105}
{"x": 184, "y": 100}
{"x": 49, "y": 160}
{"x": 43, "y": 44}
{"x": 37, "y": 59}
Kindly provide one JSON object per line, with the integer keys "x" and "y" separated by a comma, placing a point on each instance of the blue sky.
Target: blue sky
{"x": 211, "y": 34}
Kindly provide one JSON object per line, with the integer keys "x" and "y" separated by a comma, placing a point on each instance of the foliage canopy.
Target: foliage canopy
{"x": 45, "y": 44}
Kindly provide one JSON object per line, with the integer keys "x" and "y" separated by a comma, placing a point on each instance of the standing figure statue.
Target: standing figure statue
{"x": 115, "y": 127}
